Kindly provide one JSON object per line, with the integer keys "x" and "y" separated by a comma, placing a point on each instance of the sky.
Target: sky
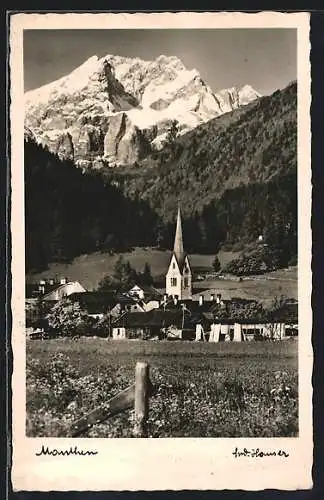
{"x": 263, "y": 58}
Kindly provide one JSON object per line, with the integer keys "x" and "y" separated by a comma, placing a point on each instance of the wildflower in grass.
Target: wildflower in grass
{"x": 217, "y": 398}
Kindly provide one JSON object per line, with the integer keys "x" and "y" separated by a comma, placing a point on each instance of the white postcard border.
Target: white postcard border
{"x": 161, "y": 464}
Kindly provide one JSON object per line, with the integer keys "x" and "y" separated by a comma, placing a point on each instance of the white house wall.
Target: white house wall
{"x": 215, "y": 331}
{"x": 65, "y": 291}
{"x": 237, "y": 333}
{"x": 137, "y": 292}
{"x": 199, "y": 332}
{"x": 119, "y": 333}
{"x": 173, "y": 273}
{"x": 153, "y": 304}
{"x": 243, "y": 332}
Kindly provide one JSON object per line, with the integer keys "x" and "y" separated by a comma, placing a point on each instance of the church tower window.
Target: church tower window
{"x": 173, "y": 281}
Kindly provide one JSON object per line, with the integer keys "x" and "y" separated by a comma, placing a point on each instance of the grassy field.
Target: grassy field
{"x": 89, "y": 270}
{"x": 263, "y": 288}
{"x": 207, "y": 390}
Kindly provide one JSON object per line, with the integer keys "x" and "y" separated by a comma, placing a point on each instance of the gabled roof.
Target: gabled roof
{"x": 95, "y": 302}
{"x": 181, "y": 263}
{"x": 191, "y": 306}
{"x": 155, "y": 318}
{"x": 62, "y": 286}
{"x": 149, "y": 292}
{"x": 32, "y": 289}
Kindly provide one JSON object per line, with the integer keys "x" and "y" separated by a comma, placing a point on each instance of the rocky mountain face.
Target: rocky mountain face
{"x": 116, "y": 110}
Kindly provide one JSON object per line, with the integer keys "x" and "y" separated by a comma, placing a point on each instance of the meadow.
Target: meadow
{"x": 202, "y": 390}
{"x": 90, "y": 269}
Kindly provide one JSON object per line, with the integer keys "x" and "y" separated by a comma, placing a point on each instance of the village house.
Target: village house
{"x": 287, "y": 313}
{"x": 228, "y": 330}
{"x": 191, "y": 323}
{"x": 155, "y": 324}
{"x": 97, "y": 304}
{"x": 282, "y": 324}
{"x": 213, "y": 319}
{"x": 42, "y": 296}
{"x": 143, "y": 312}
{"x": 52, "y": 290}
{"x": 148, "y": 296}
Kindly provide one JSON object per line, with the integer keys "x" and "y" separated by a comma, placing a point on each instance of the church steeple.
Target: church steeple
{"x": 179, "y": 278}
{"x": 178, "y": 240}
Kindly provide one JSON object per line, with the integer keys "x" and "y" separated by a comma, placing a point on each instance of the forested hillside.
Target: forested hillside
{"x": 244, "y": 213}
{"x": 253, "y": 144}
{"x": 235, "y": 177}
{"x": 69, "y": 213}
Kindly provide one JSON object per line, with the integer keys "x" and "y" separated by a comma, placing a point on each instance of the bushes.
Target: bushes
{"x": 242, "y": 309}
{"x": 67, "y": 319}
{"x": 261, "y": 260}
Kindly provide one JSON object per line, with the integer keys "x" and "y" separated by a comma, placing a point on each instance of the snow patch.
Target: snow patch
{"x": 163, "y": 90}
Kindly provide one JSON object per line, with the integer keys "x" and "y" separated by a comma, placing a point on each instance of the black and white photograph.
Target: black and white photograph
{"x": 162, "y": 236}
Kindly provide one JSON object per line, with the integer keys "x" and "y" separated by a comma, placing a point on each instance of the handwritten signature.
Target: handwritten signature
{"x": 73, "y": 450}
{"x": 257, "y": 453}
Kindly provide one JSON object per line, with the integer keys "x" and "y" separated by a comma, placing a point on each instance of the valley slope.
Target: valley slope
{"x": 253, "y": 144}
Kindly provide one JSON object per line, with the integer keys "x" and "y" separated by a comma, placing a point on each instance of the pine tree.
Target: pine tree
{"x": 216, "y": 264}
{"x": 146, "y": 277}
{"x": 173, "y": 132}
{"x": 119, "y": 267}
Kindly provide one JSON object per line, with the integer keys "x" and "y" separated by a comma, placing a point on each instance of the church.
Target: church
{"x": 179, "y": 276}
{"x": 183, "y": 317}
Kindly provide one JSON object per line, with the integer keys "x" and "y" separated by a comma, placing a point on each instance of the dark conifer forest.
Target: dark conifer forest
{"x": 235, "y": 177}
{"x": 69, "y": 212}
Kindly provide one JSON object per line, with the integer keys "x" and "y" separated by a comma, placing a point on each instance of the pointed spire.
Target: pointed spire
{"x": 178, "y": 240}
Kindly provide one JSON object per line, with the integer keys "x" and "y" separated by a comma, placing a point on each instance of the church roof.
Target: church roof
{"x": 178, "y": 249}
{"x": 181, "y": 262}
{"x": 178, "y": 241}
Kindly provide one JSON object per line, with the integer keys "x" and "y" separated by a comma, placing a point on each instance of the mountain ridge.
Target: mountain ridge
{"x": 254, "y": 143}
{"x": 74, "y": 114}
{"x": 234, "y": 176}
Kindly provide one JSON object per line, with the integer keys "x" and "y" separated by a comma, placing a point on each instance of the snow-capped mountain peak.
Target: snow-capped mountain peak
{"x": 247, "y": 94}
{"x": 115, "y": 107}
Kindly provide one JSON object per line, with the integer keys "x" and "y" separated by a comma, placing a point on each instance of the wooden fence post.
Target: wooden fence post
{"x": 142, "y": 387}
